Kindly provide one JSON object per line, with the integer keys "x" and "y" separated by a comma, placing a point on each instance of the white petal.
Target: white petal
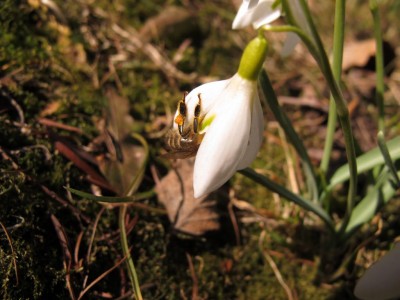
{"x": 265, "y": 15}
{"x": 256, "y": 134}
{"x": 243, "y": 17}
{"x": 381, "y": 280}
{"x": 258, "y": 15}
{"x": 299, "y": 16}
{"x": 251, "y": 3}
{"x": 225, "y": 142}
{"x": 291, "y": 41}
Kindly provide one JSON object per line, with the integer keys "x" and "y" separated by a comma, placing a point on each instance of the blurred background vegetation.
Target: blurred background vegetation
{"x": 63, "y": 64}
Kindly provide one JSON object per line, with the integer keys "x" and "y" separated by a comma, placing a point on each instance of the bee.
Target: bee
{"x": 197, "y": 120}
{"x": 182, "y": 147}
{"x": 185, "y": 142}
{"x": 181, "y": 117}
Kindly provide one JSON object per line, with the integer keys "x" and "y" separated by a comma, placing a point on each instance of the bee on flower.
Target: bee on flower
{"x": 221, "y": 123}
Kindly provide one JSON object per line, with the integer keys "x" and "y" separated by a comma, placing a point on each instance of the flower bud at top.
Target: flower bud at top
{"x": 253, "y": 58}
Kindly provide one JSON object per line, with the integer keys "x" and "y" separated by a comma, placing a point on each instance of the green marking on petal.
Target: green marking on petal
{"x": 206, "y": 122}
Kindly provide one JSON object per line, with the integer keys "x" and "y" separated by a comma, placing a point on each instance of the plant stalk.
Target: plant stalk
{"x": 338, "y": 41}
{"x": 125, "y": 249}
{"x": 379, "y": 64}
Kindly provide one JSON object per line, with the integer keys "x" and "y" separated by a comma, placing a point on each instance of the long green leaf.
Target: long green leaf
{"x": 282, "y": 191}
{"x": 378, "y": 196}
{"x": 286, "y": 125}
{"x": 386, "y": 155}
{"x": 108, "y": 199}
{"x": 367, "y": 161}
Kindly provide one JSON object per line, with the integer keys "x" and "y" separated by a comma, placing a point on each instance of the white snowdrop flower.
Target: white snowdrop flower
{"x": 224, "y": 121}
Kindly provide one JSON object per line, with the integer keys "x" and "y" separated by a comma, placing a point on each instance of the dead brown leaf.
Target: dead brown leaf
{"x": 124, "y": 158}
{"x": 189, "y": 215}
{"x": 50, "y": 108}
{"x": 80, "y": 159}
{"x": 358, "y": 53}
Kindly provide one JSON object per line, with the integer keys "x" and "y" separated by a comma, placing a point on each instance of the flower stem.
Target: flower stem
{"x": 317, "y": 49}
{"x": 338, "y": 39}
{"x": 344, "y": 119}
{"x": 380, "y": 86}
{"x": 125, "y": 249}
{"x": 121, "y": 219}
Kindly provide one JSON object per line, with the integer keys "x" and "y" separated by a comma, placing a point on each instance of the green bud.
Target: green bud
{"x": 253, "y": 58}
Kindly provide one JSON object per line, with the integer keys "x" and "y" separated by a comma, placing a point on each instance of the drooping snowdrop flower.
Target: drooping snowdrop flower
{"x": 256, "y": 12}
{"x": 224, "y": 121}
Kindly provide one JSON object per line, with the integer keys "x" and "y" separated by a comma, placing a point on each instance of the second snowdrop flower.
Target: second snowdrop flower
{"x": 257, "y": 13}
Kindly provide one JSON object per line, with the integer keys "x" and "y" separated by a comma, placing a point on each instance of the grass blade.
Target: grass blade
{"x": 282, "y": 191}
{"x": 378, "y": 196}
{"x": 386, "y": 156}
{"x": 113, "y": 199}
{"x": 366, "y": 162}
{"x": 286, "y": 125}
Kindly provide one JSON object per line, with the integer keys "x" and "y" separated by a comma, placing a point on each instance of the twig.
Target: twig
{"x": 155, "y": 56}
{"x": 100, "y": 278}
{"x": 51, "y": 123}
{"x": 233, "y": 218}
{"x": 96, "y": 221}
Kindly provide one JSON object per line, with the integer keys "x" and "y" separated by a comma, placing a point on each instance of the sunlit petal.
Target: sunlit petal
{"x": 226, "y": 141}
{"x": 209, "y": 93}
{"x": 256, "y": 135}
{"x": 257, "y": 13}
{"x": 291, "y": 41}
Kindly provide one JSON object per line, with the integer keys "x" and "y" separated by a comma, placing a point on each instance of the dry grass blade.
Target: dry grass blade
{"x": 62, "y": 237}
{"x": 274, "y": 268}
{"x": 195, "y": 289}
{"x": 233, "y": 218}
{"x": 12, "y": 252}
{"x": 100, "y": 278}
{"x": 93, "y": 233}
{"x": 69, "y": 152}
{"x": 77, "y": 246}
